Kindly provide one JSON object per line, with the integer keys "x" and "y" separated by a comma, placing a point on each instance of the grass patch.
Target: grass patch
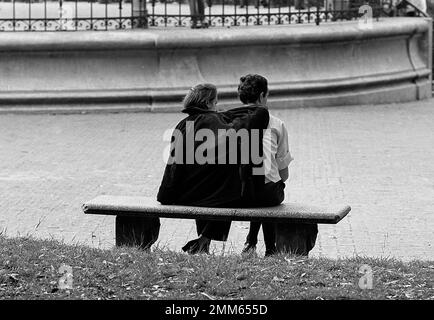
{"x": 29, "y": 269}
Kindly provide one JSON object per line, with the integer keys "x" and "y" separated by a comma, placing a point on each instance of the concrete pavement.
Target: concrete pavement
{"x": 378, "y": 159}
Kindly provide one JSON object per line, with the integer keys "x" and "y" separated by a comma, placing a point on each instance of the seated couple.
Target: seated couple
{"x": 229, "y": 184}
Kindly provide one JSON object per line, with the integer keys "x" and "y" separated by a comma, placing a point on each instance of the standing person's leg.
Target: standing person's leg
{"x": 201, "y": 13}
{"x": 298, "y": 4}
{"x": 193, "y": 12}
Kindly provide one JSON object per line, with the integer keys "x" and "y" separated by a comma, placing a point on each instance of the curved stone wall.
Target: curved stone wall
{"x": 306, "y": 65}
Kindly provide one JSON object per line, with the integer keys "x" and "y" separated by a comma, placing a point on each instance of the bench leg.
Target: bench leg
{"x": 295, "y": 238}
{"x": 137, "y": 231}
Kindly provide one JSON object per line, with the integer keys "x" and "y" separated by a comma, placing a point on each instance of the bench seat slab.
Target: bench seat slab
{"x": 149, "y": 207}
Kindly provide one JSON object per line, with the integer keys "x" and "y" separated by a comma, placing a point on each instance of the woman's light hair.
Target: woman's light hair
{"x": 200, "y": 96}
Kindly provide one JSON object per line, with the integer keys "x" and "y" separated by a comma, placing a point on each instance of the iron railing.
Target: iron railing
{"x": 73, "y": 15}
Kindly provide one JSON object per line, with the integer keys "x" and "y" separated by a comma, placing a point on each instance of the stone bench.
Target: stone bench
{"x": 137, "y": 218}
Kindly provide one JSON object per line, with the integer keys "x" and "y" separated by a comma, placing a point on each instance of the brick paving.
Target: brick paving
{"x": 378, "y": 159}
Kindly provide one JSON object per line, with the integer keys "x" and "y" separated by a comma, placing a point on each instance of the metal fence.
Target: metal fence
{"x": 73, "y": 15}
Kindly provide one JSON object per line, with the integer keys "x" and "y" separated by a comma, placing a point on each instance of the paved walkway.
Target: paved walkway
{"x": 378, "y": 159}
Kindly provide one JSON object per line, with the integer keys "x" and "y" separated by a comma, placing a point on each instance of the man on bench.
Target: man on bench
{"x": 297, "y": 238}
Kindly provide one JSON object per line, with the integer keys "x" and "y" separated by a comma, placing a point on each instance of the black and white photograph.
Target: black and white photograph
{"x": 216, "y": 157}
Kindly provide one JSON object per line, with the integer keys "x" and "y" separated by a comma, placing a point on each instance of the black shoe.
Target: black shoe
{"x": 195, "y": 246}
{"x": 249, "y": 248}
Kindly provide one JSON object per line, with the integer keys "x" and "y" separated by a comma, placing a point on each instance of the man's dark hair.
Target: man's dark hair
{"x": 250, "y": 88}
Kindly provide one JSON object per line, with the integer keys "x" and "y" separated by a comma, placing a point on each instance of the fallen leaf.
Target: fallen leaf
{"x": 241, "y": 276}
{"x": 207, "y": 295}
{"x": 346, "y": 284}
{"x": 278, "y": 279}
{"x": 13, "y": 276}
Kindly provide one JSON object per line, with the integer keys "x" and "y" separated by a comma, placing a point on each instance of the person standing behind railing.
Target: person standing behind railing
{"x": 411, "y": 8}
{"x": 389, "y": 8}
{"x": 300, "y": 4}
{"x": 245, "y": 3}
{"x": 430, "y": 8}
{"x": 197, "y": 12}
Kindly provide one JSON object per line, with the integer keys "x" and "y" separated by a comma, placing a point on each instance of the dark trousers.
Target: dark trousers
{"x": 214, "y": 229}
{"x": 219, "y": 230}
{"x": 294, "y": 238}
{"x": 197, "y": 11}
{"x": 245, "y": 3}
{"x": 273, "y": 195}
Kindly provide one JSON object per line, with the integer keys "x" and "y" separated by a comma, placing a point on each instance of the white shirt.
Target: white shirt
{"x": 276, "y": 149}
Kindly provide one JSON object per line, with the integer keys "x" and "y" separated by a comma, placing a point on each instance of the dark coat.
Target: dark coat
{"x": 214, "y": 185}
